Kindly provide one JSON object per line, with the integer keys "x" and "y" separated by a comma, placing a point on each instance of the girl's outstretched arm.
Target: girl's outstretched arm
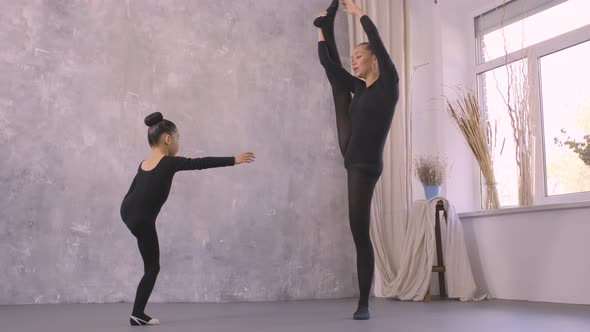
{"x": 188, "y": 164}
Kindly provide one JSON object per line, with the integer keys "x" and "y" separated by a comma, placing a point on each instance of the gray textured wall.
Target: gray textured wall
{"x": 77, "y": 79}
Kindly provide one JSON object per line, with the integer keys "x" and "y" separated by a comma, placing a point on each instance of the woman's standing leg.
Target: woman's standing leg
{"x": 361, "y": 184}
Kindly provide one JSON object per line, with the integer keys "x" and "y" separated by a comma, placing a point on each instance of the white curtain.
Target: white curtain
{"x": 393, "y": 197}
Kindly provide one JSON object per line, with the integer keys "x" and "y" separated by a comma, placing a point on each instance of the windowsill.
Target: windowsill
{"x": 519, "y": 210}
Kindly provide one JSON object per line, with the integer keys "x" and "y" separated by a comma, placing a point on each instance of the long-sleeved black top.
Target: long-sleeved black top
{"x": 372, "y": 108}
{"x": 150, "y": 189}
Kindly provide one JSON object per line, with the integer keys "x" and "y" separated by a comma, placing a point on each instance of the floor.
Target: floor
{"x": 304, "y": 316}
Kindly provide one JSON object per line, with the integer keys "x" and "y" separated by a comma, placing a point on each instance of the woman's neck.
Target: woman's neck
{"x": 371, "y": 78}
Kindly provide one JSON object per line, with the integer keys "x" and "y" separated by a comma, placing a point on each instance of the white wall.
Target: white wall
{"x": 77, "y": 78}
{"x": 439, "y": 59}
{"x": 535, "y": 255}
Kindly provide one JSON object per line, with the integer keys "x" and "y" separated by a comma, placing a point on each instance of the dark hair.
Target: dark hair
{"x": 367, "y": 46}
{"x": 158, "y": 126}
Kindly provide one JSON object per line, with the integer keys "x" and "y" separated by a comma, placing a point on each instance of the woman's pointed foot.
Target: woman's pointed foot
{"x": 320, "y": 20}
{"x": 328, "y": 15}
{"x": 331, "y": 11}
{"x": 362, "y": 313}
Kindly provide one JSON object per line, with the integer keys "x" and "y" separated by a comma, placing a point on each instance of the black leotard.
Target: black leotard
{"x": 372, "y": 108}
{"x": 149, "y": 189}
{"x": 362, "y": 124}
{"x": 139, "y": 210}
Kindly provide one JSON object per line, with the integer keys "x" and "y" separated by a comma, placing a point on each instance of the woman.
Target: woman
{"x": 363, "y": 123}
{"x": 149, "y": 190}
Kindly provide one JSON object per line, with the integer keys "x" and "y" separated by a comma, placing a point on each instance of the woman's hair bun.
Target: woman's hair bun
{"x": 153, "y": 119}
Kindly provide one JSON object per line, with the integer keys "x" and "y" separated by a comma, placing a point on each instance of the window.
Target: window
{"x": 527, "y": 23}
{"x": 565, "y": 96}
{"x": 493, "y": 85}
{"x": 538, "y": 50}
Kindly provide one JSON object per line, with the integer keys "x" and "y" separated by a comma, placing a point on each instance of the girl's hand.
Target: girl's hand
{"x": 351, "y": 8}
{"x": 246, "y": 157}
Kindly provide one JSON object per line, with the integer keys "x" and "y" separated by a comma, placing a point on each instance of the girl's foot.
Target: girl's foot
{"x": 141, "y": 320}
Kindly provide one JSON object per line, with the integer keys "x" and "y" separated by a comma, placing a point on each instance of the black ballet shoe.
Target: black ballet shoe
{"x": 362, "y": 313}
{"x": 146, "y": 320}
{"x": 329, "y": 15}
{"x": 319, "y": 21}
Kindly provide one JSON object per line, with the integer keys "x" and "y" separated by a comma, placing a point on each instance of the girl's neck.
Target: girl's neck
{"x": 158, "y": 153}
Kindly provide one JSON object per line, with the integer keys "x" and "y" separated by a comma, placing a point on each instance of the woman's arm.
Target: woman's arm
{"x": 386, "y": 66}
{"x": 341, "y": 75}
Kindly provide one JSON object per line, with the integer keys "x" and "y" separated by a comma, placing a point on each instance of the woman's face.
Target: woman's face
{"x": 363, "y": 61}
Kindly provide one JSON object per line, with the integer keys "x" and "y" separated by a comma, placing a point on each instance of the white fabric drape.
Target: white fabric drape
{"x": 392, "y": 196}
{"x": 420, "y": 249}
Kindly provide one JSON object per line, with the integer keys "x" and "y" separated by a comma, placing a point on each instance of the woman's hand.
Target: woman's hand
{"x": 351, "y": 8}
{"x": 246, "y": 157}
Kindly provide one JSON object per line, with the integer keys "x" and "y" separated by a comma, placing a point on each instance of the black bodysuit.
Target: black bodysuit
{"x": 139, "y": 210}
{"x": 149, "y": 189}
{"x": 363, "y": 123}
{"x": 371, "y": 110}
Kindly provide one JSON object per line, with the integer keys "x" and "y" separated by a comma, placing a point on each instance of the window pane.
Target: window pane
{"x": 493, "y": 88}
{"x": 559, "y": 19}
{"x": 566, "y": 105}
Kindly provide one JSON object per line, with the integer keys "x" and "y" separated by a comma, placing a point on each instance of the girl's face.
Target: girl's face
{"x": 363, "y": 61}
{"x": 171, "y": 142}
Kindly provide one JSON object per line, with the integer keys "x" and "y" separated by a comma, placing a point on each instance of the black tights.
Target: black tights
{"x": 361, "y": 178}
{"x": 342, "y": 97}
{"x": 147, "y": 241}
{"x": 361, "y": 183}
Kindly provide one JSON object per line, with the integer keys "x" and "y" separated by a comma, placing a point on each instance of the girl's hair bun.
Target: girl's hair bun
{"x": 153, "y": 119}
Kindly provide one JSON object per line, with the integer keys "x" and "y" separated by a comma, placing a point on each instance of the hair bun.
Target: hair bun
{"x": 153, "y": 119}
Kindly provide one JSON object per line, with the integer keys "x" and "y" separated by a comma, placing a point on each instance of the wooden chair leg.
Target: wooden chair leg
{"x": 427, "y": 296}
{"x": 440, "y": 268}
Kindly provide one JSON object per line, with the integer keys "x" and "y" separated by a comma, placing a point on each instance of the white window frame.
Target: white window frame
{"x": 533, "y": 54}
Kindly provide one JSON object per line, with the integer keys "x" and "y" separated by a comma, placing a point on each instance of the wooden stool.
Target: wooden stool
{"x": 440, "y": 265}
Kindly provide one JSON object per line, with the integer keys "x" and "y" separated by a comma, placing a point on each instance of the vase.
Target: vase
{"x": 431, "y": 191}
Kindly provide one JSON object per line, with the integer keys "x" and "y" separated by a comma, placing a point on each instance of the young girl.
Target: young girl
{"x": 149, "y": 190}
